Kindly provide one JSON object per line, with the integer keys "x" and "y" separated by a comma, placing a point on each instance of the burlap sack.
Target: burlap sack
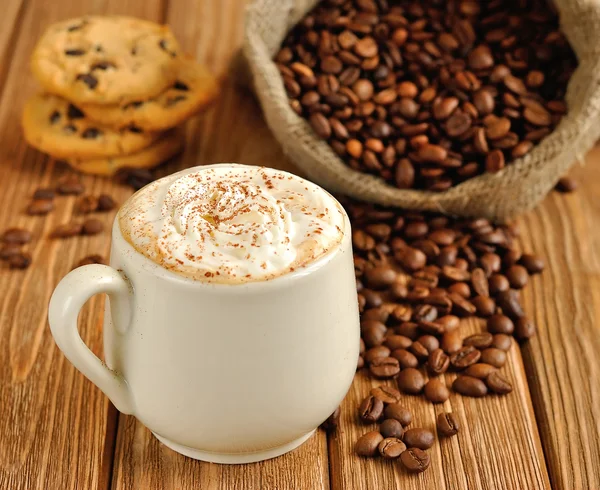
{"x": 517, "y": 188}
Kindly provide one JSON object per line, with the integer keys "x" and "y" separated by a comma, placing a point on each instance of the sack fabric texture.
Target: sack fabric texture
{"x": 500, "y": 196}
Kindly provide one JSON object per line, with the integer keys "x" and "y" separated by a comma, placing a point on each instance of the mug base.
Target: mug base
{"x": 234, "y": 458}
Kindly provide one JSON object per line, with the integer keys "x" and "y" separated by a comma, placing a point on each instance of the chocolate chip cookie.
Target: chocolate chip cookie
{"x": 59, "y": 128}
{"x": 193, "y": 89}
{"x": 169, "y": 145}
{"x": 106, "y": 60}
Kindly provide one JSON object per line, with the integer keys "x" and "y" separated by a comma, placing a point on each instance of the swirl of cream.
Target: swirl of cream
{"x": 225, "y": 226}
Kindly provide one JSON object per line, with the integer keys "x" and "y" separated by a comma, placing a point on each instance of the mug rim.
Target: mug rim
{"x": 158, "y": 270}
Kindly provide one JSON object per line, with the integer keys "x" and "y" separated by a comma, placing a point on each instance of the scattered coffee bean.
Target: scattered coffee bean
{"x": 524, "y": 328}
{"x": 332, "y": 422}
{"x": 40, "y": 207}
{"x": 106, "y": 203}
{"x": 391, "y": 447}
{"x": 384, "y": 367}
{"x": 370, "y": 409}
{"x": 464, "y": 357}
{"x": 8, "y": 250}
{"x": 494, "y": 357}
{"x": 16, "y": 236}
{"x": 391, "y": 428}
{"x": 469, "y": 386}
{"x": 411, "y": 381}
{"x": 479, "y": 340}
{"x": 479, "y": 370}
{"x": 21, "y": 260}
{"x": 135, "y": 177}
{"x": 498, "y": 383}
{"x": 517, "y": 276}
{"x": 92, "y": 226}
{"x": 70, "y": 185}
{"x": 415, "y": 460}
{"x": 502, "y": 342}
{"x": 386, "y": 394}
{"x": 510, "y": 303}
{"x": 87, "y": 204}
{"x": 500, "y": 324}
{"x": 436, "y": 391}
{"x": 532, "y": 263}
{"x": 91, "y": 259}
{"x": 398, "y": 412}
{"x": 47, "y": 194}
{"x": 367, "y": 445}
{"x": 67, "y": 230}
{"x": 421, "y": 438}
{"x": 447, "y": 424}
{"x": 566, "y": 185}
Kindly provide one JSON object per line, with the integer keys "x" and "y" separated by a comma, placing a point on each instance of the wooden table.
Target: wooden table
{"x": 57, "y": 431}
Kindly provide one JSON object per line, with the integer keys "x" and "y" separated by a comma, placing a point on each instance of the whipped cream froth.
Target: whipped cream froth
{"x": 231, "y": 223}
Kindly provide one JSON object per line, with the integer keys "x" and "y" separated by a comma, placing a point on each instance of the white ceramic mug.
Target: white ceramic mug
{"x": 218, "y": 372}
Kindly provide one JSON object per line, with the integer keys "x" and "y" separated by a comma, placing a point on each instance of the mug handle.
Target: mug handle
{"x": 68, "y": 298}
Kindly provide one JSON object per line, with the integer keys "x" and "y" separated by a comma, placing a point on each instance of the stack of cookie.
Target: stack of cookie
{"x": 115, "y": 90}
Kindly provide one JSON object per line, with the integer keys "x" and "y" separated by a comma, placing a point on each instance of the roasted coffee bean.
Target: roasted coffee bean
{"x": 494, "y": 357}
{"x": 415, "y": 460}
{"x": 438, "y": 362}
{"x": 498, "y": 283}
{"x": 419, "y": 350}
{"x": 21, "y": 260}
{"x": 479, "y": 370}
{"x": 70, "y": 185}
{"x": 450, "y": 322}
{"x": 500, "y": 324}
{"x": 436, "y": 391}
{"x": 87, "y": 204}
{"x": 40, "y": 207}
{"x": 367, "y": 445}
{"x": 384, "y": 367}
{"x": 106, "y": 203}
{"x": 408, "y": 329}
{"x": 421, "y": 438}
{"x": 405, "y": 358}
{"x": 16, "y": 236}
{"x": 92, "y": 227}
{"x": 66, "y": 230}
{"x": 391, "y": 428}
{"x": 397, "y": 342}
{"x": 370, "y": 409}
{"x": 502, "y": 342}
{"x": 135, "y": 177}
{"x": 447, "y": 424}
{"x": 373, "y": 332}
{"x": 44, "y": 194}
{"x": 484, "y": 305}
{"x": 479, "y": 282}
{"x": 469, "y": 386}
{"x": 410, "y": 380}
{"x": 399, "y": 413}
{"x": 498, "y": 383}
{"x": 566, "y": 185}
{"x": 386, "y": 394}
{"x": 391, "y": 447}
{"x": 517, "y": 276}
{"x": 8, "y": 250}
{"x": 479, "y": 340}
{"x": 524, "y": 328}
{"x": 510, "y": 304}
{"x": 412, "y": 259}
{"x": 375, "y": 352}
{"x": 532, "y": 263}
{"x": 332, "y": 422}
{"x": 90, "y": 260}
{"x": 452, "y": 341}
{"x": 464, "y": 357}
{"x": 430, "y": 343}
{"x": 461, "y": 306}
{"x": 360, "y": 363}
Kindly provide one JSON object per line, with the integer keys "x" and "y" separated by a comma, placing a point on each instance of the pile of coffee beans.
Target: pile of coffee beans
{"x": 417, "y": 275}
{"x": 428, "y": 94}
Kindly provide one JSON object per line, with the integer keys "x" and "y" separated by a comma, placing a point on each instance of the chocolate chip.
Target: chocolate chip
{"x": 74, "y": 52}
{"x": 90, "y": 80}
{"x": 171, "y": 101}
{"x": 75, "y": 27}
{"x": 103, "y": 65}
{"x": 135, "y": 129}
{"x": 163, "y": 45}
{"x": 69, "y": 129}
{"x": 180, "y": 86}
{"x": 91, "y": 133}
{"x": 74, "y": 113}
{"x": 54, "y": 117}
{"x": 135, "y": 104}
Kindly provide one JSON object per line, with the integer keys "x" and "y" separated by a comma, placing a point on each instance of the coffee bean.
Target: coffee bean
{"x": 532, "y": 263}
{"x": 375, "y": 352}
{"x": 87, "y": 204}
{"x": 510, "y": 303}
{"x": 461, "y": 306}
{"x": 384, "y": 367}
{"x": 498, "y": 283}
{"x": 332, "y": 422}
{"x": 484, "y": 305}
{"x": 92, "y": 227}
{"x": 391, "y": 428}
{"x": 494, "y": 357}
{"x": 47, "y": 194}
{"x": 517, "y": 276}
{"x": 479, "y": 370}
{"x": 370, "y": 409}
{"x": 367, "y": 445}
{"x": 70, "y": 185}
{"x": 438, "y": 362}
{"x": 373, "y": 332}
{"x": 67, "y": 230}
{"x": 391, "y": 448}
{"x": 419, "y": 350}
{"x": 135, "y": 177}
{"x": 420, "y": 438}
{"x": 447, "y": 424}
{"x": 415, "y": 460}
{"x": 500, "y": 324}
{"x": 498, "y": 383}
{"x": 91, "y": 259}
{"x": 410, "y": 380}
{"x": 464, "y": 357}
{"x": 397, "y": 342}
{"x": 524, "y": 328}
{"x": 386, "y": 394}
{"x": 21, "y": 260}
{"x": 469, "y": 386}
{"x": 399, "y": 413}
{"x": 479, "y": 282}
{"x": 566, "y": 185}
{"x": 320, "y": 125}
{"x": 479, "y": 340}
{"x": 380, "y": 277}
{"x": 8, "y": 250}
{"x": 16, "y": 236}
{"x": 360, "y": 363}
{"x": 436, "y": 391}
{"x": 452, "y": 341}
{"x": 502, "y": 342}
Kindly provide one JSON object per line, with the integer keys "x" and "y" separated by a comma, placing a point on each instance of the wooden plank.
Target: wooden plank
{"x": 232, "y": 131}
{"x": 498, "y": 445}
{"x": 57, "y": 429}
{"x": 562, "y": 361}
